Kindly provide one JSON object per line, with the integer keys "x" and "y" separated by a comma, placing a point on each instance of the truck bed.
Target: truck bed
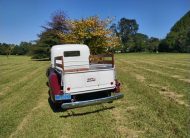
{"x": 100, "y": 66}
{"x": 98, "y": 77}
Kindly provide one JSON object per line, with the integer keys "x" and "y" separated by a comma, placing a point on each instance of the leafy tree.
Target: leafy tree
{"x": 163, "y": 46}
{"x": 6, "y": 49}
{"x": 177, "y": 39}
{"x": 140, "y": 43}
{"x": 93, "y": 32}
{"x": 50, "y": 35}
{"x": 43, "y": 45}
{"x": 127, "y": 29}
{"x": 23, "y": 48}
{"x": 187, "y": 43}
{"x": 153, "y": 44}
{"x": 3, "y": 48}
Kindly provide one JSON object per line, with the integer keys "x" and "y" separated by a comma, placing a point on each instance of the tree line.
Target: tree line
{"x": 101, "y": 35}
{"x": 24, "y": 48}
{"x": 178, "y": 39}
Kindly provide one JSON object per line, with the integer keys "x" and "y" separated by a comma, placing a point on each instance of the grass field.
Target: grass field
{"x": 156, "y": 102}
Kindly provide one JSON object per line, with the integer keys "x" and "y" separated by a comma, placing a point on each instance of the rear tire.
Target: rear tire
{"x": 48, "y": 71}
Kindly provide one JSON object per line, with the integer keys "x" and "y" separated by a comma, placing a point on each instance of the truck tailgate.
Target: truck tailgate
{"x": 83, "y": 82}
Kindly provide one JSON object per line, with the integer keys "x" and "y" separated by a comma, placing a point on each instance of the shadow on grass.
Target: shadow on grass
{"x": 55, "y": 107}
{"x": 43, "y": 59}
{"x": 73, "y": 114}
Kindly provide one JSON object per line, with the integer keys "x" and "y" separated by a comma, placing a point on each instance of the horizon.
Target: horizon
{"x": 23, "y": 22}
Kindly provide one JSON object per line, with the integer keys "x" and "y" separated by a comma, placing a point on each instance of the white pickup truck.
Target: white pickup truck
{"x": 78, "y": 79}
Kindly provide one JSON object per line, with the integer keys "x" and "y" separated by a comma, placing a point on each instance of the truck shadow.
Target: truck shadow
{"x": 43, "y": 59}
{"x": 71, "y": 113}
{"x": 55, "y": 108}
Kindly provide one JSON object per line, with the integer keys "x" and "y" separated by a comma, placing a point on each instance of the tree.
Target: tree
{"x": 23, "y": 48}
{"x": 127, "y": 29}
{"x": 3, "y": 47}
{"x": 153, "y": 44}
{"x": 176, "y": 40}
{"x": 8, "y": 50}
{"x": 140, "y": 43}
{"x": 44, "y": 44}
{"x": 50, "y": 35}
{"x": 93, "y": 32}
{"x": 187, "y": 43}
{"x": 59, "y": 22}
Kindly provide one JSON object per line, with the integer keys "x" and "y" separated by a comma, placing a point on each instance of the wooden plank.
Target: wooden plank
{"x": 59, "y": 65}
{"x": 59, "y": 58}
{"x": 105, "y": 62}
{"x": 76, "y": 70}
{"x": 100, "y": 59}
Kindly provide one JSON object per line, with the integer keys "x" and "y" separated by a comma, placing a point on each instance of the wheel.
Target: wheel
{"x": 48, "y": 71}
{"x": 49, "y": 93}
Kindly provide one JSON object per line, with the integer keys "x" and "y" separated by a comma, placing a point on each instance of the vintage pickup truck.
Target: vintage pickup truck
{"x": 76, "y": 79}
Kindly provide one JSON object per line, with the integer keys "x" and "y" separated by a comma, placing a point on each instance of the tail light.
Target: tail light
{"x": 117, "y": 86}
{"x": 54, "y": 84}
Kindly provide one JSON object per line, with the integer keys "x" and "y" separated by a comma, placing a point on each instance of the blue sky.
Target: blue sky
{"x": 21, "y": 20}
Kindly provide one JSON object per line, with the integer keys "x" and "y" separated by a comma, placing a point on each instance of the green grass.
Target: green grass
{"x": 156, "y": 102}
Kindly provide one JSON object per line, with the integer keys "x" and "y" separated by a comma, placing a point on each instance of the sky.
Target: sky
{"x": 21, "y": 20}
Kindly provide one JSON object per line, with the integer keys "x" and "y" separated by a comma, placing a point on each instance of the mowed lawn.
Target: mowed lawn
{"x": 156, "y": 102}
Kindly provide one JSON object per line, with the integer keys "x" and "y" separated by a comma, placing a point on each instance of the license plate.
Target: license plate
{"x": 65, "y": 96}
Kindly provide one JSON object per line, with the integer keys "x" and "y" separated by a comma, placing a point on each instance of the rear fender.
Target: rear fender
{"x": 55, "y": 86}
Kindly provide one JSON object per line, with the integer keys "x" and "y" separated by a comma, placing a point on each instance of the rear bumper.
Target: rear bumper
{"x": 92, "y": 102}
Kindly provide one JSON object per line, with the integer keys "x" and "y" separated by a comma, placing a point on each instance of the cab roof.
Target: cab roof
{"x": 69, "y": 47}
{"x": 60, "y": 50}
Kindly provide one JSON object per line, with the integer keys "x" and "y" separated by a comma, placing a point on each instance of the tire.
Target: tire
{"x": 48, "y": 71}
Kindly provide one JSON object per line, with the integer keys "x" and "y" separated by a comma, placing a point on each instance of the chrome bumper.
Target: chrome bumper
{"x": 92, "y": 102}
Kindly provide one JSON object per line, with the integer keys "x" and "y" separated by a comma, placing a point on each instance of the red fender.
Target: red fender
{"x": 55, "y": 87}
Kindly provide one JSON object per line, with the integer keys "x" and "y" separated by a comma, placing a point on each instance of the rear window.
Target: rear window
{"x": 71, "y": 53}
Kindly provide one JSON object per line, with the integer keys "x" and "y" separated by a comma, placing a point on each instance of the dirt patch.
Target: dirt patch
{"x": 174, "y": 97}
{"x": 169, "y": 94}
{"x": 131, "y": 108}
{"x": 1, "y": 94}
{"x": 176, "y": 76}
{"x": 128, "y": 132}
{"x": 162, "y": 88}
{"x": 154, "y": 85}
{"x": 180, "y": 78}
{"x": 121, "y": 121}
{"x": 140, "y": 77}
{"x": 185, "y": 80}
{"x": 6, "y": 88}
{"x": 40, "y": 104}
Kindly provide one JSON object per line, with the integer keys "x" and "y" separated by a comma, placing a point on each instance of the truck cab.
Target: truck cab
{"x": 77, "y": 78}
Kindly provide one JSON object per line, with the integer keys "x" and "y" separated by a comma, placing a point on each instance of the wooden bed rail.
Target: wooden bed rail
{"x": 61, "y": 65}
{"x": 96, "y": 59}
{"x": 101, "y": 59}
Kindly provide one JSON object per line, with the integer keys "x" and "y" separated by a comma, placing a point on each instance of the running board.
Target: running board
{"x": 92, "y": 102}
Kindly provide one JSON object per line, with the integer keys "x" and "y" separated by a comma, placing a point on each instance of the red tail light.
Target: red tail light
{"x": 54, "y": 84}
{"x": 117, "y": 86}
